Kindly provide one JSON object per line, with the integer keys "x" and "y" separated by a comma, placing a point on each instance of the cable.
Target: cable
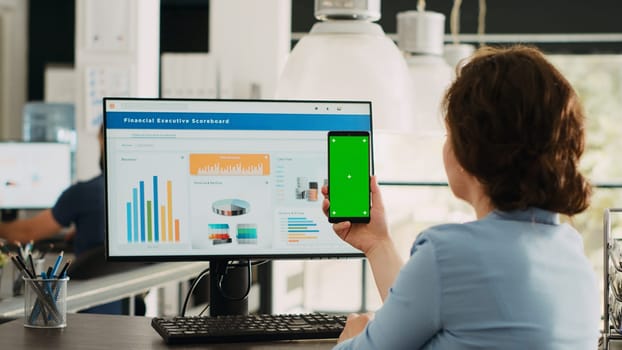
{"x": 481, "y": 21}
{"x": 221, "y": 276}
{"x": 202, "y": 311}
{"x": 194, "y": 285}
{"x": 454, "y": 22}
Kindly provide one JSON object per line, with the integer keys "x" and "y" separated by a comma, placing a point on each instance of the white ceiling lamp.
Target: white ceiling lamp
{"x": 346, "y": 56}
{"x": 420, "y": 35}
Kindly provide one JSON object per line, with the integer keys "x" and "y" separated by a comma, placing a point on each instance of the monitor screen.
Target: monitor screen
{"x": 33, "y": 174}
{"x": 205, "y": 179}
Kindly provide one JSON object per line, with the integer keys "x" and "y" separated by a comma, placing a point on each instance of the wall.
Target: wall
{"x": 13, "y": 33}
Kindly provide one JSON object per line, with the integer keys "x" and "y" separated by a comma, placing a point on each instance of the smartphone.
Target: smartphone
{"x": 349, "y": 168}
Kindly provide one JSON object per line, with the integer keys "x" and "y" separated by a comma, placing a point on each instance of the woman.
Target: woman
{"x": 515, "y": 278}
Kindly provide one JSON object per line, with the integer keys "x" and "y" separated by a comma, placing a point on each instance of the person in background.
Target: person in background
{"x": 81, "y": 205}
{"x": 514, "y": 278}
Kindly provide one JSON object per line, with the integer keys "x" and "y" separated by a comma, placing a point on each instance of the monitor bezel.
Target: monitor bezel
{"x": 232, "y": 257}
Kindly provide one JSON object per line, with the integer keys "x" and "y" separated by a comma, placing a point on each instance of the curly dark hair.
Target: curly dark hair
{"x": 516, "y": 124}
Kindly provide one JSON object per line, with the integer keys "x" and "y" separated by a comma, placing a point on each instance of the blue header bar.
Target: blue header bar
{"x": 236, "y": 121}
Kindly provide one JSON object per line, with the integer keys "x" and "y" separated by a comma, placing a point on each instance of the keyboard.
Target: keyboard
{"x": 248, "y": 328}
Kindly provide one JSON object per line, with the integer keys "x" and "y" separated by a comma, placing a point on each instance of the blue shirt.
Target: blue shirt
{"x": 511, "y": 280}
{"x": 83, "y": 204}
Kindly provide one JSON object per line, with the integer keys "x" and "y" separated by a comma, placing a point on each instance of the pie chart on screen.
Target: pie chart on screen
{"x": 231, "y": 207}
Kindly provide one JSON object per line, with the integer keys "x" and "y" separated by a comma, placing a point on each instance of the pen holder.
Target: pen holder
{"x": 18, "y": 276}
{"x": 45, "y": 302}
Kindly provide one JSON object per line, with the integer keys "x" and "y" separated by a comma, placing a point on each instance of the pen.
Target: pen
{"x": 45, "y": 299}
{"x": 47, "y": 292}
{"x": 56, "y": 264}
{"x": 62, "y": 274}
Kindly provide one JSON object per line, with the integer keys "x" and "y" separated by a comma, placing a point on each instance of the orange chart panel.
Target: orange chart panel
{"x": 230, "y": 164}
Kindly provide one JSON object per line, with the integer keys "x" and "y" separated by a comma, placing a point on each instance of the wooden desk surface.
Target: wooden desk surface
{"x": 94, "y": 332}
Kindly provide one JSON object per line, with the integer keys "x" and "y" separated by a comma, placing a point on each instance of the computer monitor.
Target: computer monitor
{"x": 221, "y": 179}
{"x": 33, "y": 174}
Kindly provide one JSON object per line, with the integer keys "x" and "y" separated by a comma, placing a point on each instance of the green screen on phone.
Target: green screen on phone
{"x": 348, "y": 176}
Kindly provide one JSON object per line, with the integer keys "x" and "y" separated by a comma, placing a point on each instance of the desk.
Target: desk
{"x": 94, "y": 332}
{"x": 95, "y": 291}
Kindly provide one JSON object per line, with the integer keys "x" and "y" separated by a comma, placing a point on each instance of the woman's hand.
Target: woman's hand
{"x": 372, "y": 239}
{"x": 354, "y": 326}
{"x": 364, "y": 237}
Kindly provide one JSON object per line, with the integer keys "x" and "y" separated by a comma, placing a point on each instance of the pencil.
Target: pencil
{"x": 19, "y": 262}
{"x": 20, "y": 249}
{"x": 63, "y": 272}
{"x": 57, "y": 263}
{"x": 32, "y": 265}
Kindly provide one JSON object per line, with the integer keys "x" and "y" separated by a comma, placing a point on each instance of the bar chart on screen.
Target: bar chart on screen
{"x": 230, "y": 164}
{"x": 300, "y": 228}
{"x": 150, "y": 198}
{"x": 150, "y": 218}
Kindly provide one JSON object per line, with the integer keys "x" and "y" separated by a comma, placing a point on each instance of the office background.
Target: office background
{"x": 51, "y": 26}
{"x": 592, "y": 62}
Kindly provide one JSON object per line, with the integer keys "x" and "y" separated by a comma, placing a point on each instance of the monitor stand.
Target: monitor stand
{"x": 7, "y": 215}
{"x": 229, "y": 296}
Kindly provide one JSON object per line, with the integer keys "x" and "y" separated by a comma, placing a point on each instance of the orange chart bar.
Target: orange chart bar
{"x": 169, "y": 196}
{"x": 230, "y": 164}
{"x": 301, "y": 237}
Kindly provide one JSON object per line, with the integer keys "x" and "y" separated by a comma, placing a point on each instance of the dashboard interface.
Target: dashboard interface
{"x": 187, "y": 179}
